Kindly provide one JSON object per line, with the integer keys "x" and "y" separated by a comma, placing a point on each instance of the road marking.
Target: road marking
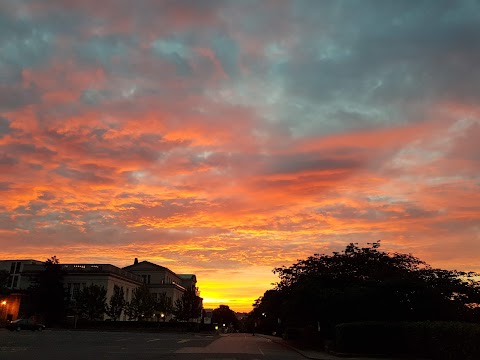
{"x": 183, "y": 341}
{"x": 12, "y": 349}
{"x": 153, "y": 340}
{"x": 124, "y": 339}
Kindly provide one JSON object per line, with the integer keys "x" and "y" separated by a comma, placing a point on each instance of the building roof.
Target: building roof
{"x": 148, "y": 263}
{"x": 23, "y": 260}
{"x": 187, "y": 276}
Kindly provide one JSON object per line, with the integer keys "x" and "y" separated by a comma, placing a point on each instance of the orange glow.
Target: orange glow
{"x": 177, "y": 132}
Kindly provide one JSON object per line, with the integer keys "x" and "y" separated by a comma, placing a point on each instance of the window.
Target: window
{"x": 148, "y": 279}
{"x": 17, "y": 270}
{"x": 12, "y": 267}
{"x": 128, "y": 293}
{"x": 76, "y": 289}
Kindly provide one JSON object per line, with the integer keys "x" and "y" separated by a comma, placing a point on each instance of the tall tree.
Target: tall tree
{"x": 224, "y": 315}
{"x": 117, "y": 303}
{"x": 163, "y": 306}
{"x": 188, "y": 307}
{"x": 142, "y": 305}
{"x": 4, "y": 283}
{"x": 48, "y": 297}
{"x": 369, "y": 284}
{"x": 91, "y": 302}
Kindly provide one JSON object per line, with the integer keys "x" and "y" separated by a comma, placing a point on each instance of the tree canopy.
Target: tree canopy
{"x": 368, "y": 284}
{"x": 116, "y": 304}
{"x": 188, "y": 307}
{"x": 224, "y": 315}
{"x": 163, "y": 306}
{"x": 142, "y": 305}
{"x": 47, "y": 294}
{"x": 91, "y": 302}
{"x": 4, "y": 282}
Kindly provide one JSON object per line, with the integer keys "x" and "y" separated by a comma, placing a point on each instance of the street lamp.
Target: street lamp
{"x": 4, "y": 302}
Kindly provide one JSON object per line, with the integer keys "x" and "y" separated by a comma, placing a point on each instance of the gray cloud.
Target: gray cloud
{"x": 298, "y": 163}
{"x": 394, "y": 61}
{"x": 87, "y": 175}
{"x": 4, "y": 127}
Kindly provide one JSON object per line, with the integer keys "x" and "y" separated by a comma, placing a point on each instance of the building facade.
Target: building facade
{"x": 16, "y": 268}
{"x": 76, "y": 277}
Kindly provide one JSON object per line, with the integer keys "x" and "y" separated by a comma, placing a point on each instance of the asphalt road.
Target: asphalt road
{"x": 86, "y": 345}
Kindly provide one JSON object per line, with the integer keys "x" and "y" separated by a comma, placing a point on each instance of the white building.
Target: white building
{"x": 159, "y": 279}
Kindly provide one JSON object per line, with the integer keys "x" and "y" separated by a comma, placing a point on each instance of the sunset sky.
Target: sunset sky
{"x": 226, "y": 138}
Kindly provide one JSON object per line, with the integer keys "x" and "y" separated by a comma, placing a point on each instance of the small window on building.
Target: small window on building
{"x": 76, "y": 289}
{"x": 148, "y": 279}
{"x": 128, "y": 293}
{"x": 144, "y": 279}
{"x": 17, "y": 269}
{"x": 12, "y": 267}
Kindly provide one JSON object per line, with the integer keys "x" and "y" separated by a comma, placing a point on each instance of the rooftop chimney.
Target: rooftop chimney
{"x": 136, "y": 261}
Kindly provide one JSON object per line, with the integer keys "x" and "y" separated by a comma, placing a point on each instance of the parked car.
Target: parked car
{"x": 25, "y": 324}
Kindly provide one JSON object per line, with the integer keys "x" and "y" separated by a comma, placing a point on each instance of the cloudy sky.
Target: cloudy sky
{"x": 226, "y": 138}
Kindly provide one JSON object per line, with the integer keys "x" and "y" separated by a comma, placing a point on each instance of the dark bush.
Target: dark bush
{"x": 433, "y": 340}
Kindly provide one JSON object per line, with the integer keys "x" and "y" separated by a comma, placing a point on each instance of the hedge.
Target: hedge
{"x": 429, "y": 339}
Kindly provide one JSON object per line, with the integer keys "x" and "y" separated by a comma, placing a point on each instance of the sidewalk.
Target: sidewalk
{"x": 320, "y": 355}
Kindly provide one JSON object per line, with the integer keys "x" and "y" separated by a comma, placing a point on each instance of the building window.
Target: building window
{"x": 12, "y": 267}
{"x": 148, "y": 279}
{"x": 76, "y": 289}
{"x": 17, "y": 269}
{"x": 128, "y": 293}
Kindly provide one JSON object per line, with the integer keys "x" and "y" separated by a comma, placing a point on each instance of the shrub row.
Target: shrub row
{"x": 429, "y": 339}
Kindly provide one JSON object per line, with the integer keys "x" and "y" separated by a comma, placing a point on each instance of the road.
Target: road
{"x": 83, "y": 345}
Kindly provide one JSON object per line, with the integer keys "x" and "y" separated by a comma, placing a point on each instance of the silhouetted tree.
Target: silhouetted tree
{"x": 224, "y": 315}
{"x": 4, "y": 282}
{"x": 142, "y": 305}
{"x": 188, "y": 307}
{"x": 117, "y": 303}
{"x": 368, "y": 284}
{"x": 163, "y": 306}
{"x": 91, "y": 302}
{"x": 48, "y": 297}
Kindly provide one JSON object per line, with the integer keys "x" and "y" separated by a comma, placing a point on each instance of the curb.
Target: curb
{"x": 287, "y": 345}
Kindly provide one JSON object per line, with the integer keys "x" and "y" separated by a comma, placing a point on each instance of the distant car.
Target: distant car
{"x": 24, "y": 324}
